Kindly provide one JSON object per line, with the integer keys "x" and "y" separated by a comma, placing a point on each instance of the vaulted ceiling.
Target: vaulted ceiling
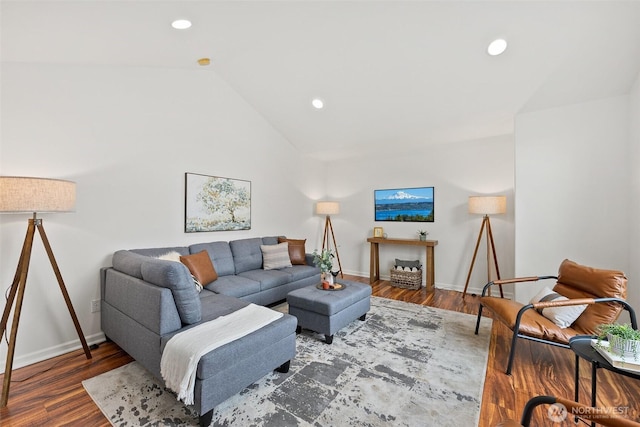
{"x": 391, "y": 73}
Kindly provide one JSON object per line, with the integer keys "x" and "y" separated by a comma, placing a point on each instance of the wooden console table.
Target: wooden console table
{"x": 374, "y": 259}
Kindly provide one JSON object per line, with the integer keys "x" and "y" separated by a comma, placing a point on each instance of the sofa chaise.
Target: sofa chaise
{"x": 146, "y": 300}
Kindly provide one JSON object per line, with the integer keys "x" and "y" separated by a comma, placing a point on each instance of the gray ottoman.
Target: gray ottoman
{"x": 326, "y": 312}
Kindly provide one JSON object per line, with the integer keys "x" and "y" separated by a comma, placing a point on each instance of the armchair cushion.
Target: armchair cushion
{"x": 532, "y": 323}
{"x": 562, "y": 316}
{"x": 580, "y": 281}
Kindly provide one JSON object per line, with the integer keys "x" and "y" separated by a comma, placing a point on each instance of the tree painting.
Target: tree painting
{"x": 217, "y": 204}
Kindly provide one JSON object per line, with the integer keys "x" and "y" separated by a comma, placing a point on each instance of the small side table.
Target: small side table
{"x": 581, "y": 346}
{"x": 374, "y": 257}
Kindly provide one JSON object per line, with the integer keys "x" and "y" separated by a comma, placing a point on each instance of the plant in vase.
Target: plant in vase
{"x": 323, "y": 260}
{"x": 623, "y": 339}
{"x": 423, "y": 234}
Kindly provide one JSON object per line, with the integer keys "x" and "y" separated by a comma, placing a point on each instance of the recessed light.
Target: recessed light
{"x": 204, "y": 62}
{"x": 317, "y": 103}
{"x": 496, "y": 47}
{"x": 181, "y": 24}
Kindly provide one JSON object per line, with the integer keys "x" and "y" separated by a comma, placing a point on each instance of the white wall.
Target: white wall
{"x": 456, "y": 171}
{"x": 572, "y": 180}
{"x": 634, "y": 211}
{"x": 127, "y": 136}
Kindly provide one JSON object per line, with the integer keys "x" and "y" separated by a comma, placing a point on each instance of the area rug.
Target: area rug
{"x": 405, "y": 365}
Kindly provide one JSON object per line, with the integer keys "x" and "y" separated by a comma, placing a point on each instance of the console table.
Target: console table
{"x": 374, "y": 259}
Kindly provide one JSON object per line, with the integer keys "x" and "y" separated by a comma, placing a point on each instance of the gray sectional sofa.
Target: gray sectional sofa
{"x": 146, "y": 300}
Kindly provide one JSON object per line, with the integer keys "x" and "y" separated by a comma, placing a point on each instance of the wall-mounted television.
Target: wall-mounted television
{"x": 404, "y": 204}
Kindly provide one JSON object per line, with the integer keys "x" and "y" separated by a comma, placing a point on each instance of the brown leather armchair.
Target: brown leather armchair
{"x": 603, "y": 291}
{"x": 600, "y": 416}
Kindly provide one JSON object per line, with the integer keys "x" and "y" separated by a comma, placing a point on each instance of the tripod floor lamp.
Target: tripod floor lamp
{"x": 32, "y": 195}
{"x": 328, "y": 209}
{"x": 486, "y": 205}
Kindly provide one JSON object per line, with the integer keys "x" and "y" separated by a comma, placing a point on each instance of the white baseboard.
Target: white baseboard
{"x": 48, "y": 353}
{"x": 471, "y": 290}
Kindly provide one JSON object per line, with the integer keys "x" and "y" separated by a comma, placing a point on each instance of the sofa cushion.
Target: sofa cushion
{"x": 299, "y": 272}
{"x": 234, "y": 286}
{"x": 175, "y": 257}
{"x": 129, "y": 263}
{"x": 201, "y": 267}
{"x": 246, "y": 254}
{"x": 270, "y": 240}
{"x": 268, "y": 279}
{"x": 177, "y": 278}
{"x": 156, "y": 252}
{"x": 275, "y": 256}
{"x": 297, "y": 250}
{"x": 220, "y": 254}
{"x": 561, "y": 316}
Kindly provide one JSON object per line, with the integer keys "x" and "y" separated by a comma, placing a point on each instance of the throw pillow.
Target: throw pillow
{"x": 297, "y": 251}
{"x": 201, "y": 267}
{"x": 275, "y": 256}
{"x": 171, "y": 256}
{"x": 410, "y": 264}
{"x": 561, "y": 316}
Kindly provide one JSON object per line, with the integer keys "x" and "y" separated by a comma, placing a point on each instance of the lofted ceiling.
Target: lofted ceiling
{"x": 392, "y": 74}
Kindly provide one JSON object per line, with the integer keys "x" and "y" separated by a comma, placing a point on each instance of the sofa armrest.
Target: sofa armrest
{"x": 150, "y": 305}
{"x": 309, "y": 259}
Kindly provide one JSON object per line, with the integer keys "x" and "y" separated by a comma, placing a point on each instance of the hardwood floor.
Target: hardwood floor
{"x": 50, "y": 393}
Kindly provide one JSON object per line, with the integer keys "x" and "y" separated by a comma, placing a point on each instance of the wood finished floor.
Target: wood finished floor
{"x": 50, "y": 393}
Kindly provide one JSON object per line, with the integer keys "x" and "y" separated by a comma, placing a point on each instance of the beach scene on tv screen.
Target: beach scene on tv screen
{"x": 404, "y": 204}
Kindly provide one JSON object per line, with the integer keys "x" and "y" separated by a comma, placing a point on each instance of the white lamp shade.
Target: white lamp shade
{"x": 327, "y": 208}
{"x": 487, "y": 205}
{"x": 25, "y": 194}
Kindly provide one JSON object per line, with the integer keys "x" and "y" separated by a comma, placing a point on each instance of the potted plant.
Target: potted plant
{"x": 323, "y": 260}
{"x": 623, "y": 339}
{"x": 423, "y": 234}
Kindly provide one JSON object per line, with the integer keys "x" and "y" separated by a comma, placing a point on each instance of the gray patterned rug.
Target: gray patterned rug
{"x": 405, "y": 365}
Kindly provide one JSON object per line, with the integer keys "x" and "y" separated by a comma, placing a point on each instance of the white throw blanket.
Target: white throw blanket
{"x": 183, "y": 351}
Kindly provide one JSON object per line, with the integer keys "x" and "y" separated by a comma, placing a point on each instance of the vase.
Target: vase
{"x": 327, "y": 280}
{"x": 624, "y": 347}
{"x": 423, "y": 238}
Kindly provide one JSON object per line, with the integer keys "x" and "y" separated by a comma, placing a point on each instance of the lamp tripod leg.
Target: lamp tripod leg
{"x": 333, "y": 236}
{"x": 325, "y": 235}
{"x": 473, "y": 260}
{"x": 495, "y": 258}
{"x": 17, "y": 288}
{"x": 63, "y": 289}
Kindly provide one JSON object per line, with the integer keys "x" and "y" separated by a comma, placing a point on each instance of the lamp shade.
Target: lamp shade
{"x": 25, "y": 194}
{"x": 327, "y": 208}
{"x": 487, "y": 205}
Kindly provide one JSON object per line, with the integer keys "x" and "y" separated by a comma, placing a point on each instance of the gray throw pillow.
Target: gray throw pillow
{"x": 410, "y": 264}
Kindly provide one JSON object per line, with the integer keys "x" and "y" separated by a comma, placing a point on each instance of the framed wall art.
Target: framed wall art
{"x": 215, "y": 203}
{"x": 404, "y": 204}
